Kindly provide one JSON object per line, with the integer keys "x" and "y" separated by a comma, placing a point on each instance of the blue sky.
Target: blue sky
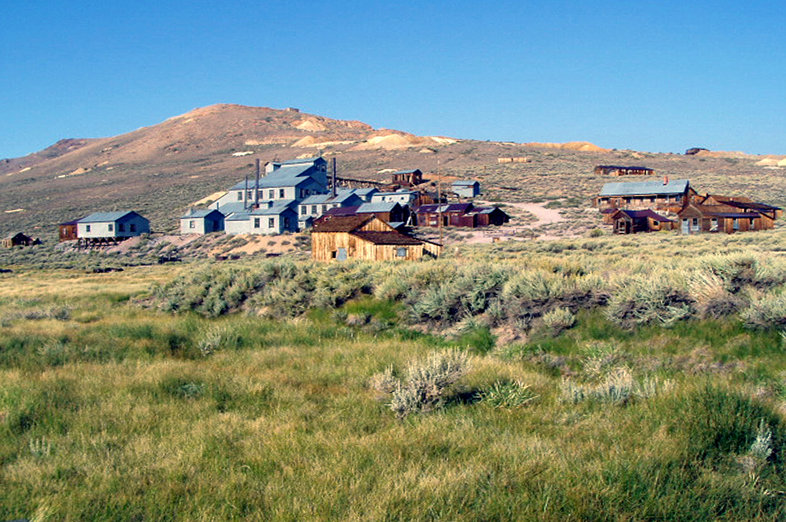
{"x": 659, "y": 76}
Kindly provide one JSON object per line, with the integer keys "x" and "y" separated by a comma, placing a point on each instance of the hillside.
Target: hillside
{"x": 159, "y": 170}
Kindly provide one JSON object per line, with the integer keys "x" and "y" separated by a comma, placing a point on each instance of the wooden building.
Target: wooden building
{"x": 637, "y": 221}
{"x": 459, "y": 215}
{"x": 67, "y": 231}
{"x": 389, "y": 212}
{"x": 201, "y": 221}
{"x": 407, "y": 178}
{"x": 697, "y": 218}
{"x": 18, "y": 239}
{"x": 466, "y": 188}
{"x": 617, "y": 170}
{"x": 667, "y": 196}
{"x": 339, "y": 238}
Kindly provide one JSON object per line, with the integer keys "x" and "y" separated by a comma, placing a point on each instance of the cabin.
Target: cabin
{"x": 460, "y": 215}
{"x": 617, "y": 170}
{"x": 340, "y": 238}
{"x": 697, "y": 218}
{"x": 269, "y": 218}
{"x": 636, "y": 221}
{"x": 466, "y": 188}
{"x": 111, "y": 226}
{"x": 201, "y": 221}
{"x": 407, "y": 178}
{"x": 18, "y": 239}
{"x": 67, "y": 231}
{"x": 668, "y": 196}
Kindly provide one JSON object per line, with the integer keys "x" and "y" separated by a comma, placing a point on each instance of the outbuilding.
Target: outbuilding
{"x": 111, "y": 226}
{"x": 201, "y": 221}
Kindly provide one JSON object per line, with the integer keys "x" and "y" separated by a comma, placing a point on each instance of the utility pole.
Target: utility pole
{"x": 439, "y": 205}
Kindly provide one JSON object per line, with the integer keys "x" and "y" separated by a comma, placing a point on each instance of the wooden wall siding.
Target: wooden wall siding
{"x": 324, "y": 244}
{"x": 67, "y": 232}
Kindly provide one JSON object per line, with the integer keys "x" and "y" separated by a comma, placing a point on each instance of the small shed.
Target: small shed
{"x": 201, "y": 221}
{"x": 18, "y": 239}
{"x": 408, "y": 178}
{"x": 636, "y": 221}
{"x": 68, "y": 231}
{"x": 466, "y": 188}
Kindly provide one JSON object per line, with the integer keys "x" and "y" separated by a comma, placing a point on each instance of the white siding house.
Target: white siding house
{"x": 275, "y": 219}
{"x": 202, "y": 221}
{"x": 112, "y": 225}
{"x": 402, "y": 197}
{"x": 466, "y": 188}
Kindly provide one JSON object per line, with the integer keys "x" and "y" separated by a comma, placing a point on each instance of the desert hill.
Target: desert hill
{"x": 160, "y": 169}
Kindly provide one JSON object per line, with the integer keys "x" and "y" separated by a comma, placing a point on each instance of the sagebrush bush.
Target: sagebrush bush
{"x": 556, "y": 321}
{"x": 508, "y": 394}
{"x": 426, "y": 383}
{"x": 652, "y": 299}
{"x": 766, "y": 310}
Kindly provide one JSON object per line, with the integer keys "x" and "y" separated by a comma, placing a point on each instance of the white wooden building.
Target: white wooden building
{"x": 112, "y": 225}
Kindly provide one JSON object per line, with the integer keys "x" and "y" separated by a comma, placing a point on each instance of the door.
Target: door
{"x": 341, "y": 254}
{"x": 686, "y": 226}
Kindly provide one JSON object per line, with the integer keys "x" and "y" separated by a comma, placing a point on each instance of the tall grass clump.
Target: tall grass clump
{"x": 650, "y": 299}
{"x": 426, "y": 383}
{"x": 766, "y": 310}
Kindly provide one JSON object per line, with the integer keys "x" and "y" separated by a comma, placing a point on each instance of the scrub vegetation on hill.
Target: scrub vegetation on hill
{"x": 572, "y": 379}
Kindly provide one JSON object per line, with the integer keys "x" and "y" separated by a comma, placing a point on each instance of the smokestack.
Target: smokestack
{"x": 245, "y": 195}
{"x": 333, "y": 179}
{"x": 256, "y": 188}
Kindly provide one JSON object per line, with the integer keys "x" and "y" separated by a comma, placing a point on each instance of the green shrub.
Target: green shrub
{"x": 650, "y": 299}
{"x": 508, "y": 394}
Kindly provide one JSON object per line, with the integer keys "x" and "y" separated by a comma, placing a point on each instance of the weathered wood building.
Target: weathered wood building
{"x": 637, "y": 221}
{"x": 618, "y": 170}
{"x": 726, "y": 214}
{"x": 459, "y": 215}
{"x": 17, "y": 239}
{"x": 67, "y": 231}
{"x": 389, "y": 212}
{"x": 407, "y": 178}
{"x": 668, "y": 196}
{"x": 339, "y": 238}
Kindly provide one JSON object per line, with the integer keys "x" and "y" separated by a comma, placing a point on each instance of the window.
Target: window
{"x": 250, "y": 195}
{"x": 324, "y": 208}
{"x": 281, "y": 193}
{"x": 751, "y": 220}
{"x": 736, "y": 225}
{"x": 240, "y": 196}
{"x": 303, "y": 210}
{"x": 678, "y": 198}
{"x": 695, "y": 224}
{"x": 256, "y": 222}
{"x": 714, "y": 225}
{"x": 191, "y": 224}
{"x": 302, "y": 193}
{"x": 401, "y": 252}
{"x": 132, "y": 227}
{"x": 121, "y": 227}
{"x": 87, "y": 228}
{"x": 286, "y": 223}
{"x": 271, "y": 222}
{"x": 271, "y": 194}
{"x": 110, "y": 227}
{"x": 313, "y": 209}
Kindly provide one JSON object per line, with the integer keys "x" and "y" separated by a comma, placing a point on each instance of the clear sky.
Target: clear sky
{"x": 658, "y": 76}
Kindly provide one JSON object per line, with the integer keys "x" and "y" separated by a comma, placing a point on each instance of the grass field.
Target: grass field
{"x": 599, "y": 380}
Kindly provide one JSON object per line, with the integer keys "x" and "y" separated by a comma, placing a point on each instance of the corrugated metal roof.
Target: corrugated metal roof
{"x": 645, "y": 188}
{"x": 465, "y": 183}
{"x": 736, "y": 215}
{"x": 229, "y": 208}
{"x": 316, "y": 199}
{"x": 381, "y": 206}
{"x": 238, "y": 216}
{"x": 342, "y": 211}
{"x": 277, "y": 208}
{"x": 287, "y": 176}
{"x": 407, "y": 171}
{"x": 198, "y": 213}
{"x": 646, "y": 213}
{"x": 101, "y": 217}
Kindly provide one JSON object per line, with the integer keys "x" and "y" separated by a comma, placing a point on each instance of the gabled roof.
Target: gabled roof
{"x": 277, "y": 207}
{"x": 412, "y": 171}
{"x": 397, "y": 193}
{"x": 387, "y": 238}
{"x": 286, "y": 176}
{"x": 452, "y": 207}
{"x": 381, "y": 206}
{"x": 645, "y": 188}
{"x": 333, "y": 223}
{"x": 299, "y": 161}
{"x": 198, "y": 213}
{"x": 734, "y": 214}
{"x": 230, "y": 208}
{"x": 465, "y": 183}
{"x": 342, "y": 211}
{"x": 316, "y": 199}
{"x": 101, "y": 217}
{"x": 364, "y": 192}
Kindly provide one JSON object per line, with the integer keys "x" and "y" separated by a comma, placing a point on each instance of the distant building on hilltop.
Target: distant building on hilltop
{"x": 616, "y": 170}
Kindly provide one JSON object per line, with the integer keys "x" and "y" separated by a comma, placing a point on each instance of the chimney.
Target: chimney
{"x": 245, "y": 195}
{"x": 256, "y": 188}
{"x": 666, "y": 180}
{"x": 333, "y": 181}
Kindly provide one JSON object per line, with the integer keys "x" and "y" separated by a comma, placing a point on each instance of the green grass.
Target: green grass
{"x": 113, "y": 411}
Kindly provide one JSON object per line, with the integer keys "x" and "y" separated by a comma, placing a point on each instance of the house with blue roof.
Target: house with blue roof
{"x": 314, "y": 206}
{"x": 112, "y": 225}
{"x": 401, "y": 196}
{"x": 201, "y": 221}
{"x": 292, "y": 180}
{"x": 466, "y": 188}
{"x": 272, "y": 217}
